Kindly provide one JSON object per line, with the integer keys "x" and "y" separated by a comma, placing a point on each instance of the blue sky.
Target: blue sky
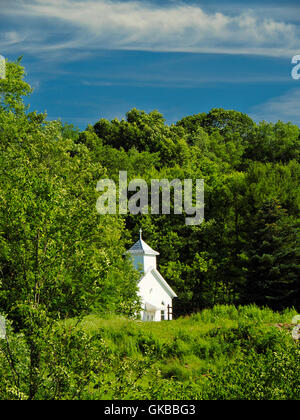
{"x": 88, "y": 59}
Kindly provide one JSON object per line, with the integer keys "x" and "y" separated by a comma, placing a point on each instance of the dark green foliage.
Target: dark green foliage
{"x": 273, "y": 266}
{"x": 243, "y": 164}
{"x": 269, "y": 142}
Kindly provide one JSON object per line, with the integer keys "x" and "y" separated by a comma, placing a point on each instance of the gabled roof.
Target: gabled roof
{"x": 157, "y": 274}
{"x": 161, "y": 280}
{"x": 140, "y": 247}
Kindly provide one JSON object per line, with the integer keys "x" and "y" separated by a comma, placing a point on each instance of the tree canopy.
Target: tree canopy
{"x": 57, "y": 251}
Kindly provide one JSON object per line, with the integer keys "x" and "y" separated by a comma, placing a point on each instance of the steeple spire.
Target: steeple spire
{"x": 140, "y": 247}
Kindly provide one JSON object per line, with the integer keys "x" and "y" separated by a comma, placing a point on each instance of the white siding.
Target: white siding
{"x": 153, "y": 292}
{"x": 149, "y": 262}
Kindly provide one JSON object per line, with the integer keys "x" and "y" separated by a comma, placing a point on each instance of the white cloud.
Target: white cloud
{"x": 284, "y": 108}
{"x": 10, "y": 38}
{"x": 137, "y": 25}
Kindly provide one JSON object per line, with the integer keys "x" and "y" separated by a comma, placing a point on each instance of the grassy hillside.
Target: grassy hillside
{"x": 221, "y": 353}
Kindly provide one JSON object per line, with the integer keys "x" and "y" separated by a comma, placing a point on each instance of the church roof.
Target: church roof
{"x": 140, "y": 247}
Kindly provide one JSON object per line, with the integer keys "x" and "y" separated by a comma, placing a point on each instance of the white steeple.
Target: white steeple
{"x": 144, "y": 257}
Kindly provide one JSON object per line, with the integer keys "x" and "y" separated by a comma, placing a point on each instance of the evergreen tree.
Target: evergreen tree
{"x": 273, "y": 266}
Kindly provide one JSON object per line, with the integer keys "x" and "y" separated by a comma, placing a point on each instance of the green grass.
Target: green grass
{"x": 219, "y": 353}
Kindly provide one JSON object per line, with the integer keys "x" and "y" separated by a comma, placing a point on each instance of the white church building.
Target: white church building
{"x": 155, "y": 293}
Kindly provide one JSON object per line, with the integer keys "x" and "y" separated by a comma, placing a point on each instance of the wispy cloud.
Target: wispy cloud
{"x": 284, "y": 108}
{"x": 179, "y": 82}
{"x": 55, "y": 26}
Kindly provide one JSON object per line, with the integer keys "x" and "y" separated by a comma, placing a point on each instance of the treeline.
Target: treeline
{"x": 59, "y": 255}
{"x": 247, "y": 249}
